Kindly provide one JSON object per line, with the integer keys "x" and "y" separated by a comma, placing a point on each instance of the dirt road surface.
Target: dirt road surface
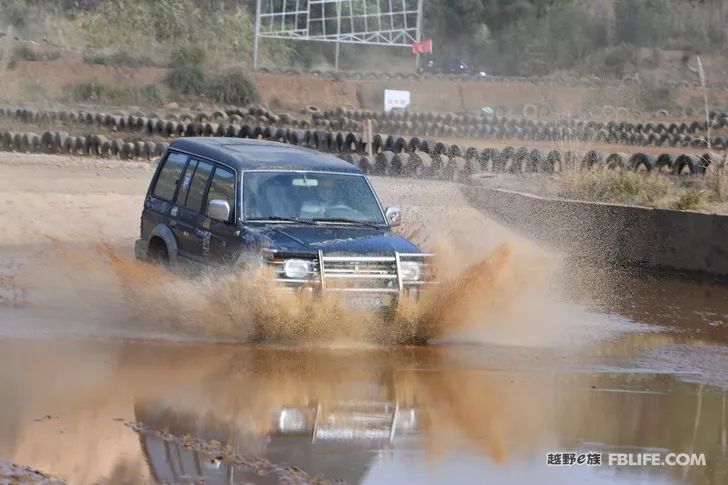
{"x": 106, "y": 376}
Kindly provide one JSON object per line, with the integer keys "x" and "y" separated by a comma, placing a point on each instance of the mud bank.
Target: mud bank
{"x": 658, "y": 239}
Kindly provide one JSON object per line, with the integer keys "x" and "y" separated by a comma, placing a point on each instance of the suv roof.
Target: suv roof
{"x": 246, "y": 154}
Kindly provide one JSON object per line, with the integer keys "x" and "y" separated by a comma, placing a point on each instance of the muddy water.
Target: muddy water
{"x": 97, "y": 385}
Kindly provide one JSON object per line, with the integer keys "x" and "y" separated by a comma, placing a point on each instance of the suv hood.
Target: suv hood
{"x": 337, "y": 240}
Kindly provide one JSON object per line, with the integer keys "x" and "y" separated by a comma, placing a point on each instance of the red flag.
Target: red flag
{"x": 424, "y": 47}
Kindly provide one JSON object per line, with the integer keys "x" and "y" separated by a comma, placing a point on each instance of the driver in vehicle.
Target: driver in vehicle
{"x": 315, "y": 209}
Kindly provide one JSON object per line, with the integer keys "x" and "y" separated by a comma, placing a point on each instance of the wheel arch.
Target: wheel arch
{"x": 163, "y": 232}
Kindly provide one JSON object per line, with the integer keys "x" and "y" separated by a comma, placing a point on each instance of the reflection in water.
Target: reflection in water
{"x": 347, "y": 413}
{"x": 692, "y": 307}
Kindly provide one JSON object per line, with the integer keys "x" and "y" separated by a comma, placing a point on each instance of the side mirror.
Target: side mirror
{"x": 219, "y": 210}
{"x": 394, "y": 216}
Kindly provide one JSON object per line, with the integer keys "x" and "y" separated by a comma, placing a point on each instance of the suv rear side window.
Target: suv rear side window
{"x": 169, "y": 176}
{"x": 196, "y": 194}
{"x": 223, "y": 188}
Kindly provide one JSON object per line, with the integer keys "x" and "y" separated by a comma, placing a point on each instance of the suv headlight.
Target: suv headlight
{"x": 410, "y": 270}
{"x": 298, "y": 269}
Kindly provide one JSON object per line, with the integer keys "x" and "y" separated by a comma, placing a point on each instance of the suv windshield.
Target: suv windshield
{"x": 311, "y": 196}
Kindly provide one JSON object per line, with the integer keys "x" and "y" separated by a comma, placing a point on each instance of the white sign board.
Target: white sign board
{"x": 396, "y": 99}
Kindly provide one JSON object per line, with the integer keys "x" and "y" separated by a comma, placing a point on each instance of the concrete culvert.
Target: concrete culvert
{"x": 617, "y": 160}
{"x": 641, "y": 162}
{"x": 686, "y": 164}
{"x": 592, "y": 157}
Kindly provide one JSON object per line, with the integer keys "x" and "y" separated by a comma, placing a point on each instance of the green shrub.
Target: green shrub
{"x": 651, "y": 96}
{"x": 694, "y": 198}
{"x": 26, "y": 53}
{"x": 231, "y": 88}
{"x": 95, "y": 91}
{"x": 118, "y": 59}
{"x": 153, "y": 94}
{"x": 187, "y": 75}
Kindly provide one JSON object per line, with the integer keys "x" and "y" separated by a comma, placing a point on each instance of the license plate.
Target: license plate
{"x": 366, "y": 302}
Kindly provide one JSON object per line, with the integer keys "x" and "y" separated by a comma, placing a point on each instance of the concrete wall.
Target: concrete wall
{"x": 656, "y": 238}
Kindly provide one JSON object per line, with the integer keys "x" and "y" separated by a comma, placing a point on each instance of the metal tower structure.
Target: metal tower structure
{"x": 394, "y": 23}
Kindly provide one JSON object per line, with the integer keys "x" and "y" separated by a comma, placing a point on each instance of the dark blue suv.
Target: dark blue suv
{"x": 313, "y": 218}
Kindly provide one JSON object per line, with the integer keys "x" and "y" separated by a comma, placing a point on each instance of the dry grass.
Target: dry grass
{"x": 697, "y": 193}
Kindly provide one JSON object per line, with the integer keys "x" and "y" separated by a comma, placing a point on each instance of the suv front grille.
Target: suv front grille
{"x": 377, "y": 274}
{"x": 358, "y": 273}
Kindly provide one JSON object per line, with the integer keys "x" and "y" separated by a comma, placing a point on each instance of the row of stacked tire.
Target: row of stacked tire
{"x": 693, "y": 134}
{"x": 394, "y": 76}
{"x": 455, "y": 163}
{"x": 264, "y": 123}
{"x": 61, "y": 142}
{"x": 253, "y": 114}
{"x": 390, "y": 155}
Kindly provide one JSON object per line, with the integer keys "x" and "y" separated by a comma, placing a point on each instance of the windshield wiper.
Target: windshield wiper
{"x": 309, "y": 222}
{"x": 349, "y": 221}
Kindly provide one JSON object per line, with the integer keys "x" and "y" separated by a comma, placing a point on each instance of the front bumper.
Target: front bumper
{"x": 364, "y": 281}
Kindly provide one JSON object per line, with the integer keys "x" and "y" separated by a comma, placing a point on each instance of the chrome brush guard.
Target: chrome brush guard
{"x": 398, "y": 274}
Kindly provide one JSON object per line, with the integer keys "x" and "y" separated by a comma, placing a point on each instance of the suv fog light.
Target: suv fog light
{"x": 410, "y": 271}
{"x": 298, "y": 269}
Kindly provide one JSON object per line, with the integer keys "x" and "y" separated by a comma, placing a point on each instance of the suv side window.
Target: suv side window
{"x": 196, "y": 194}
{"x": 184, "y": 187}
{"x": 223, "y": 188}
{"x": 169, "y": 176}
